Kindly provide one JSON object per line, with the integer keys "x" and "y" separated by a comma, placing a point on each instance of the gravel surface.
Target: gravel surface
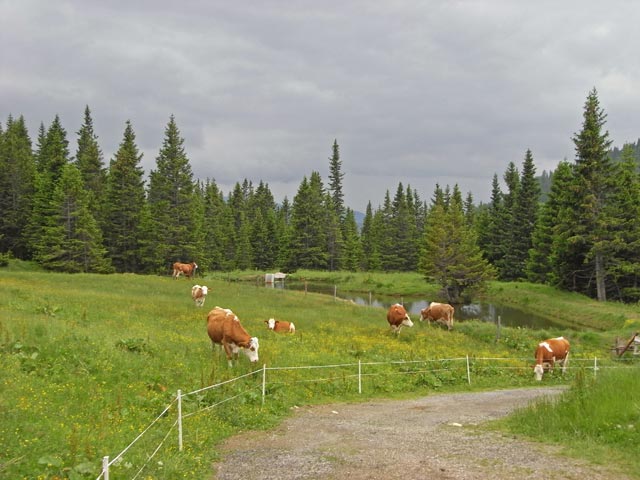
{"x": 435, "y": 437}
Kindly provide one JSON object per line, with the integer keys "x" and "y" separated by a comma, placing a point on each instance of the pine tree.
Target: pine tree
{"x": 17, "y": 187}
{"x": 174, "y": 229}
{"x": 307, "y": 246}
{"x": 591, "y": 234}
{"x": 335, "y": 241}
{"x": 507, "y": 264}
{"x": 525, "y": 213}
{"x": 124, "y": 206}
{"x": 450, "y": 255}
{"x": 542, "y": 264}
{"x": 51, "y": 157}
{"x": 491, "y": 236}
{"x": 352, "y": 256}
{"x": 72, "y": 241}
{"x": 367, "y": 239}
{"x": 335, "y": 181}
{"x": 214, "y": 233}
{"x": 89, "y": 161}
{"x": 624, "y": 209}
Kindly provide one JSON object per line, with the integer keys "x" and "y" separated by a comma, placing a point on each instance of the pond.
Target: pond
{"x": 488, "y": 312}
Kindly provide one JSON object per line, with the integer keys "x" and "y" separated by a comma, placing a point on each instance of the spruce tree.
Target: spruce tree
{"x": 51, "y": 157}
{"x": 450, "y": 255}
{"x": 624, "y": 209}
{"x": 367, "y": 240}
{"x": 335, "y": 240}
{"x": 507, "y": 263}
{"x": 17, "y": 187}
{"x": 525, "y": 213}
{"x": 124, "y": 205}
{"x": 214, "y": 233}
{"x": 352, "y": 256}
{"x": 543, "y": 265}
{"x": 174, "y": 233}
{"x": 90, "y": 162}
{"x": 335, "y": 181}
{"x": 72, "y": 241}
{"x": 590, "y": 224}
{"x": 307, "y": 245}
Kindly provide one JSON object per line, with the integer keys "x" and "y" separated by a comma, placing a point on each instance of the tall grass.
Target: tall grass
{"x": 88, "y": 361}
{"x": 598, "y": 418}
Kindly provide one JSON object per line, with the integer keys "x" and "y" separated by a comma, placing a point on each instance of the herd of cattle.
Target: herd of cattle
{"x": 224, "y": 327}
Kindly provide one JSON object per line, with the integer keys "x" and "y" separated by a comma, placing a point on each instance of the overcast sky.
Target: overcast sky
{"x": 417, "y": 91}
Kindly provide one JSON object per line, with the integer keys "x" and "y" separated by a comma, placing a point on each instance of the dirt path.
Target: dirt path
{"x": 428, "y": 438}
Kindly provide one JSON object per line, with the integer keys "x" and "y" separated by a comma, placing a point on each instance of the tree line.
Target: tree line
{"x": 74, "y": 213}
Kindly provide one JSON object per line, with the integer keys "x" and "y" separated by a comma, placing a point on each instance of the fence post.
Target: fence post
{"x": 105, "y": 467}
{"x": 359, "y": 376}
{"x": 335, "y": 292}
{"x": 264, "y": 381}
{"x": 180, "y": 420}
{"x": 595, "y": 366}
{"x": 369, "y": 297}
{"x": 468, "y": 371}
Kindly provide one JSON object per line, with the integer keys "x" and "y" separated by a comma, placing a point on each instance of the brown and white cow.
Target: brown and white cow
{"x": 186, "y": 269}
{"x": 280, "y": 326}
{"x": 438, "y": 312}
{"x": 224, "y": 328}
{"x": 398, "y": 317}
{"x": 548, "y": 352}
{"x": 199, "y": 294}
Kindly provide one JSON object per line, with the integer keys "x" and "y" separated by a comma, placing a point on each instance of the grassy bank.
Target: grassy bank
{"x": 598, "y": 419}
{"x": 87, "y": 362}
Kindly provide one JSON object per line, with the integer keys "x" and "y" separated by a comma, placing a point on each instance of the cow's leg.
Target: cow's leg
{"x": 564, "y": 363}
{"x": 228, "y": 351}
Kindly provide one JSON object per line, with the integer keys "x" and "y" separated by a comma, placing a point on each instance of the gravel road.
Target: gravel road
{"x": 435, "y": 437}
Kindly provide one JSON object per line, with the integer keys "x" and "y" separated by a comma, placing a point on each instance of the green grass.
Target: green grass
{"x": 87, "y": 362}
{"x": 599, "y": 418}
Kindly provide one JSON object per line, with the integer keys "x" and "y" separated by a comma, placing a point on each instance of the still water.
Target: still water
{"x": 488, "y": 312}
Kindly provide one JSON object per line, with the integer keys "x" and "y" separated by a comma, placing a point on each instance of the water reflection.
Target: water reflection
{"x": 488, "y": 312}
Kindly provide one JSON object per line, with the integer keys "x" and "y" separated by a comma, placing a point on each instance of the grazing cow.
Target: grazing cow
{"x": 438, "y": 312}
{"x": 224, "y": 328}
{"x": 186, "y": 269}
{"x": 398, "y": 317}
{"x": 199, "y": 294}
{"x": 548, "y": 352}
{"x": 280, "y": 326}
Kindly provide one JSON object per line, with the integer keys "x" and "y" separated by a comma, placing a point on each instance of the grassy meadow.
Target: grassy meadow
{"x": 88, "y": 362}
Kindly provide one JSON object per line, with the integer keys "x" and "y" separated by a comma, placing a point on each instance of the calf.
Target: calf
{"x": 199, "y": 294}
{"x": 280, "y": 326}
{"x": 548, "y": 352}
{"x": 438, "y": 312}
{"x": 398, "y": 317}
{"x": 224, "y": 328}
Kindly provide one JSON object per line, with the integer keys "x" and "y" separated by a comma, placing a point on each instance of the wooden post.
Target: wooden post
{"x": 498, "y": 323}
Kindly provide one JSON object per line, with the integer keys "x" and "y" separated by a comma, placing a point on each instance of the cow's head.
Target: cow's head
{"x": 251, "y": 350}
{"x": 204, "y": 289}
{"x": 271, "y": 323}
{"x": 406, "y": 321}
{"x": 538, "y": 370}
{"x": 423, "y": 314}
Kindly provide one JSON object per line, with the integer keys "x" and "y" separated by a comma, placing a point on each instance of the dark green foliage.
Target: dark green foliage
{"x": 124, "y": 205}
{"x": 173, "y": 228}
{"x": 17, "y": 187}
{"x": 72, "y": 241}
{"x": 335, "y": 181}
{"x": 307, "y": 244}
{"x": 90, "y": 162}
{"x": 450, "y": 255}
